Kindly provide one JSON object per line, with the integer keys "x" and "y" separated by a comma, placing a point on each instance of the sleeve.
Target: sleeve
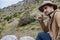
{"x": 57, "y": 16}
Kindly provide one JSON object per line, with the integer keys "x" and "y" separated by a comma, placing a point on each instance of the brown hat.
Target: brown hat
{"x": 47, "y": 3}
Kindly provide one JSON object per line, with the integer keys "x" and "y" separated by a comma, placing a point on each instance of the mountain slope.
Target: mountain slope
{"x": 11, "y": 16}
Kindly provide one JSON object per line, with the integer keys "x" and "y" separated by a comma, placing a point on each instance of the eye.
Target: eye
{"x": 45, "y": 7}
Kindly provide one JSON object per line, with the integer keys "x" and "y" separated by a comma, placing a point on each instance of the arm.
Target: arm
{"x": 57, "y": 16}
{"x": 44, "y": 27}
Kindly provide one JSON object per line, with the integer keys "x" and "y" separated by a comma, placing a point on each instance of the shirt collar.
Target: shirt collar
{"x": 51, "y": 15}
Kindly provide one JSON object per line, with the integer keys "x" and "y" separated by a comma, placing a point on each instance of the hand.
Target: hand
{"x": 40, "y": 17}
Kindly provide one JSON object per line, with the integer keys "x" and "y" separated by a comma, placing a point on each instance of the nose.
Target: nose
{"x": 45, "y": 11}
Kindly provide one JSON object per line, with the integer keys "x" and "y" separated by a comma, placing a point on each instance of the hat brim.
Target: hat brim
{"x": 51, "y": 4}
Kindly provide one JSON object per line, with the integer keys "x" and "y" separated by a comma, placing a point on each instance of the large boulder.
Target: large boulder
{"x": 9, "y": 37}
{"x": 27, "y": 38}
{"x": 26, "y": 20}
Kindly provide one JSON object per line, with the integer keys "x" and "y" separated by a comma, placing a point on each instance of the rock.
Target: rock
{"x": 27, "y": 38}
{"x": 9, "y": 37}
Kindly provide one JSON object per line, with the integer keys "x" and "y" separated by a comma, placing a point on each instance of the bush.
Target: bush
{"x": 59, "y": 7}
{"x": 15, "y": 15}
{"x": 7, "y": 18}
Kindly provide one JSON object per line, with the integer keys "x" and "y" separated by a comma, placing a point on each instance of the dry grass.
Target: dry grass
{"x": 28, "y": 30}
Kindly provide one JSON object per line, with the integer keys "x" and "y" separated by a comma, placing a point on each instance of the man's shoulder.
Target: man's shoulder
{"x": 57, "y": 14}
{"x": 57, "y": 10}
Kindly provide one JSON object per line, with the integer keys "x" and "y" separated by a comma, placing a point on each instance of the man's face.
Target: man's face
{"x": 47, "y": 9}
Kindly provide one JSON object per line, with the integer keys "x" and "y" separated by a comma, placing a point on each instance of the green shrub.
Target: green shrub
{"x": 15, "y": 15}
{"x": 7, "y": 18}
{"x": 59, "y": 7}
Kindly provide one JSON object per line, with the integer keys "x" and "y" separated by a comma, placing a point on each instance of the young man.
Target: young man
{"x": 51, "y": 31}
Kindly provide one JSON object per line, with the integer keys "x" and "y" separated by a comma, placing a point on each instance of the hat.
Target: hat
{"x": 47, "y": 3}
